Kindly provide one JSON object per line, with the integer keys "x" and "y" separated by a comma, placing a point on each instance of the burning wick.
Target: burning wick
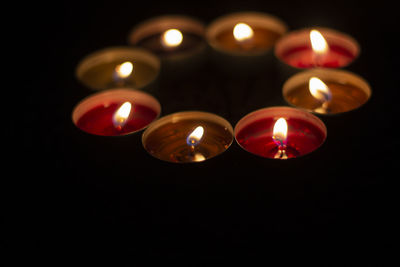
{"x": 120, "y": 117}
{"x": 193, "y": 140}
{"x": 171, "y": 38}
{"x": 122, "y": 72}
{"x": 321, "y": 92}
{"x": 243, "y": 34}
{"x": 279, "y": 136}
{"x": 319, "y": 46}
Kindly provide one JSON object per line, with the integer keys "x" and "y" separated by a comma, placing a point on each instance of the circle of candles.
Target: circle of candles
{"x": 280, "y": 132}
{"x": 326, "y": 91}
{"x": 118, "y": 67}
{"x": 189, "y": 136}
{"x": 115, "y": 112}
{"x": 317, "y": 47}
{"x": 245, "y": 33}
{"x": 171, "y": 37}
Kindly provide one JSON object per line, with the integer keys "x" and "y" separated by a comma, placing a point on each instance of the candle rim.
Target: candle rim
{"x": 123, "y": 94}
{"x": 261, "y": 19}
{"x": 327, "y": 76}
{"x": 329, "y": 34}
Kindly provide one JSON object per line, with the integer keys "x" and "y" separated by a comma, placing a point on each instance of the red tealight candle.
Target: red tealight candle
{"x": 280, "y": 132}
{"x": 116, "y": 112}
{"x": 317, "y": 47}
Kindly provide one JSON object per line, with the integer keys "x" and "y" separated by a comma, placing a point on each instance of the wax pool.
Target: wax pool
{"x": 304, "y": 57}
{"x": 99, "y": 120}
{"x": 302, "y": 138}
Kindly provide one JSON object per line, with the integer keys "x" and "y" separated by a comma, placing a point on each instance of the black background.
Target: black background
{"x": 94, "y": 194}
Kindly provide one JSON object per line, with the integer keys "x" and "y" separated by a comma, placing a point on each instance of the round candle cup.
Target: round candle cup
{"x": 177, "y": 40}
{"x": 280, "y": 132}
{"x": 119, "y": 67}
{"x": 244, "y": 38}
{"x": 316, "y": 47}
{"x": 189, "y": 136}
{"x": 115, "y": 112}
{"x": 326, "y": 91}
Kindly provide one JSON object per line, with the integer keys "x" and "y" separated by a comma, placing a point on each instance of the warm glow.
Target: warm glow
{"x": 171, "y": 38}
{"x": 242, "y": 32}
{"x": 121, "y": 115}
{"x": 124, "y": 70}
{"x": 318, "y": 42}
{"x": 280, "y": 131}
{"x": 319, "y": 90}
{"x": 195, "y": 136}
{"x": 198, "y": 157}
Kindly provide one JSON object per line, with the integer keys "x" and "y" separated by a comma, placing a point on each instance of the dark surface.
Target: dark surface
{"x": 99, "y": 194}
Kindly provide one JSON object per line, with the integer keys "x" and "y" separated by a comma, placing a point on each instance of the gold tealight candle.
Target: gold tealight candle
{"x": 243, "y": 42}
{"x": 244, "y": 33}
{"x": 190, "y": 136}
{"x": 118, "y": 67}
{"x": 326, "y": 91}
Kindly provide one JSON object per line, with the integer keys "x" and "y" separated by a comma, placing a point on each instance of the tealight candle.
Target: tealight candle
{"x": 189, "y": 136}
{"x": 118, "y": 67}
{"x": 317, "y": 47}
{"x": 176, "y": 39}
{"x": 280, "y": 132}
{"x": 245, "y": 33}
{"x": 326, "y": 91}
{"x": 244, "y": 39}
{"x": 115, "y": 112}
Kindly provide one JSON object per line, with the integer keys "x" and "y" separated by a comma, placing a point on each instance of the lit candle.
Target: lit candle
{"x": 118, "y": 67}
{"x": 246, "y": 33}
{"x": 317, "y": 47}
{"x": 189, "y": 136}
{"x": 280, "y": 132}
{"x": 169, "y": 37}
{"x": 326, "y": 91}
{"x": 115, "y": 112}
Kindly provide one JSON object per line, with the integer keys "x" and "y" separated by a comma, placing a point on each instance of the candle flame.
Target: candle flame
{"x": 318, "y": 42}
{"x": 194, "y": 137}
{"x": 279, "y": 133}
{"x": 319, "y": 90}
{"x": 171, "y": 38}
{"x": 242, "y": 32}
{"x": 124, "y": 70}
{"x": 121, "y": 115}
